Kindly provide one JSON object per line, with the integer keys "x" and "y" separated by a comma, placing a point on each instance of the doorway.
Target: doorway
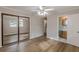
{"x": 63, "y": 22}
{"x": 14, "y": 28}
{"x": 45, "y": 26}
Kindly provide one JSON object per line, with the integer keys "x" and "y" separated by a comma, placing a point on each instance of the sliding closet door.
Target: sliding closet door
{"x": 23, "y": 28}
{"x": 10, "y": 29}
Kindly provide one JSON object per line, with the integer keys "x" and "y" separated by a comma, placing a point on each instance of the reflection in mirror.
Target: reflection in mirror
{"x": 23, "y": 28}
{"x": 63, "y": 22}
{"x": 13, "y": 23}
{"x": 10, "y": 29}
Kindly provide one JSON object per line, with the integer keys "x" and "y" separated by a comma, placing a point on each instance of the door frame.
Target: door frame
{"x": 18, "y": 26}
{"x": 58, "y": 27}
{"x": 45, "y": 28}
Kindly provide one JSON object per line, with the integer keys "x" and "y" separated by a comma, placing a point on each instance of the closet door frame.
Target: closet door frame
{"x": 2, "y": 14}
{"x": 19, "y": 27}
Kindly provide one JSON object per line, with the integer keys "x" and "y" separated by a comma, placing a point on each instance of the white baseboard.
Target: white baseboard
{"x": 72, "y": 44}
{"x": 52, "y": 38}
{"x": 0, "y": 46}
{"x": 36, "y": 36}
{"x": 61, "y": 41}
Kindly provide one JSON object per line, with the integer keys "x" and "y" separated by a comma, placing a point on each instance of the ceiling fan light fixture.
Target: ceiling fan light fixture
{"x": 45, "y": 13}
{"x": 42, "y": 13}
{"x": 41, "y": 8}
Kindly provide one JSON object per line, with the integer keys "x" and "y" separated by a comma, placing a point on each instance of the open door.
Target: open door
{"x": 45, "y": 26}
{"x": 63, "y": 28}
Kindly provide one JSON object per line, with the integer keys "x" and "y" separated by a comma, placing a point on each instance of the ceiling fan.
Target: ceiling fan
{"x": 43, "y": 11}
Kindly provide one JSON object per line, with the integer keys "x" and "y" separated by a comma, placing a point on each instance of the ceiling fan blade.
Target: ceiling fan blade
{"x": 40, "y": 7}
{"x": 49, "y": 9}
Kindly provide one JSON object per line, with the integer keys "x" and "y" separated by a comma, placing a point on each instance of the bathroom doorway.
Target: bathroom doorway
{"x": 63, "y": 21}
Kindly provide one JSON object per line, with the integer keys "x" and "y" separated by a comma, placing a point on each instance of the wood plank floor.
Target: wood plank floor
{"x": 13, "y": 38}
{"x": 40, "y": 44}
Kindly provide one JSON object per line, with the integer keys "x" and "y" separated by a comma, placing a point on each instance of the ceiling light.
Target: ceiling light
{"x": 41, "y": 8}
{"x": 42, "y": 13}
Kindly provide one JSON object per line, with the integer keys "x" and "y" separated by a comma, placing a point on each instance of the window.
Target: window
{"x": 21, "y": 22}
{"x": 14, "y": 23}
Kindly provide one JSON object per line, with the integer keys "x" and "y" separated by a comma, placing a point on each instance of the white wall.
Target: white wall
{"x": 36, "y": 29}
{"x": 73, "y": 29}
{"x": 52, "y": 26}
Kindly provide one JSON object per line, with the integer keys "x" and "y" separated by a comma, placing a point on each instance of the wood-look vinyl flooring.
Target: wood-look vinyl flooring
{"x": 40, "y": 44}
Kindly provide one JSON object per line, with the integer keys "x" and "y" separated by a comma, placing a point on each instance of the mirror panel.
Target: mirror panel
{"x": 10, "y": 29}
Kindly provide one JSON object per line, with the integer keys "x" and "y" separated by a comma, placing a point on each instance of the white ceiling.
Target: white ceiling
{"x": 58, "y": 9}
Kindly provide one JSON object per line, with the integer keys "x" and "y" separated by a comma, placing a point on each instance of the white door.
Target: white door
{"x": 73, "y": 30}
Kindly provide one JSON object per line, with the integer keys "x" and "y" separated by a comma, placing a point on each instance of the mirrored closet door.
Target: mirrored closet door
{"x": 14, "y": 28}
{"x": 23, "y": 28}
{"x": 10, "y": 29}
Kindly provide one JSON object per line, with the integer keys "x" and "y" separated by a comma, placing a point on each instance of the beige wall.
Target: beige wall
{"x": 52, "y": 31}
{"x": 36, "y": 28}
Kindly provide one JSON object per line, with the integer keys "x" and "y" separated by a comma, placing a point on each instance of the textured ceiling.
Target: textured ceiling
{"x": 59, "y": 9}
